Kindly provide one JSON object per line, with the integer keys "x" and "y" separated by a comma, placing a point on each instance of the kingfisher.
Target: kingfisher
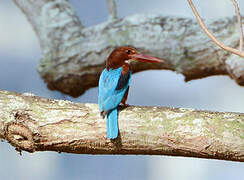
{"x": 114, "y": 84}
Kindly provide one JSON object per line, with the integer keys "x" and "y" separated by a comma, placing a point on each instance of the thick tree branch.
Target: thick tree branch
{"x": 50, "y": 19}
{"x": 73, "y": 57}
{"x": 36, "y": 124}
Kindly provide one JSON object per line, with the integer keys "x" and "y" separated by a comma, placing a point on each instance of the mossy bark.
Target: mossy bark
{"x": 32, "y": 124}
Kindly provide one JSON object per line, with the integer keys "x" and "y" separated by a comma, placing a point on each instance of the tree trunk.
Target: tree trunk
{"x": 36, "y": 124}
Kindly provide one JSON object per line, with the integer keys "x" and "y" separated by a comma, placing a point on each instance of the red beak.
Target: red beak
{"x": 146, "y": 58}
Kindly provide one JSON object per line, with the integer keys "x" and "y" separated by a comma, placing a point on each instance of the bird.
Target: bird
{"x": 114, "y": 84}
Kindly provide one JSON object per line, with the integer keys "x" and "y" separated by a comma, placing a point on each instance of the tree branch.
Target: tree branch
{"x": 238, "y": 15}
{"x": 210, "y": 35}
{"x": 112, "y": 8}
{"x": 55, "y": 23}
{"x": 36, "y": 124}
{"x": 73, "y": 57}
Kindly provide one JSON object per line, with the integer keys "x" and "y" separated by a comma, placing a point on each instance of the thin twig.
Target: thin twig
{"x": 112, "y": 8}
{"x": 210, "y": 35}
{"x": 239, "y": 22}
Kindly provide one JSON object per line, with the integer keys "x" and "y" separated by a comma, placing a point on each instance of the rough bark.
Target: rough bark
{"x": 73, "y": 56}
{"x": 32, "y": 124}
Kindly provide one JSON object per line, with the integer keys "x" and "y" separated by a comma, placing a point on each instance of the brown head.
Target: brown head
{"x": 121, "y": 55}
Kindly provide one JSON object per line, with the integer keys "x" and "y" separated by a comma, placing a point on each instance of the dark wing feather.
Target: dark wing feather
{"x": 123, "y": 80}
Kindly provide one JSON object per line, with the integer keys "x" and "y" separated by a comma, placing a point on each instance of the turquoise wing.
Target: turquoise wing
{"x": 110, "y": 95}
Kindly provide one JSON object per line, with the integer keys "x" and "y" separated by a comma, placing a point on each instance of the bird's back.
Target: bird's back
{"x": 109, "y": 97}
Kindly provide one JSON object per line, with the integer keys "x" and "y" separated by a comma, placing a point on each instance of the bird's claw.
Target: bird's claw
{"x": 125, "y": 105}
{"x": 102, "y": 114}
{"x": 122, "y": 105}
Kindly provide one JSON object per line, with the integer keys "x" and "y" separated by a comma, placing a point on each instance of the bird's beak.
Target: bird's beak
{"x": 146, "y": 58}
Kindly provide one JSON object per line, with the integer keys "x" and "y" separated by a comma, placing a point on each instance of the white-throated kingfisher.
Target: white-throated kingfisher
{"x": 114, "y": 84}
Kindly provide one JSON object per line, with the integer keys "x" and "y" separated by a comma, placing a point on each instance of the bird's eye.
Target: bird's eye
{"x": 128, "y": 51}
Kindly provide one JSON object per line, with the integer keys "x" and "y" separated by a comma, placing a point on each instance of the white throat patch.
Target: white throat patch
{"x": 127, "y": 61}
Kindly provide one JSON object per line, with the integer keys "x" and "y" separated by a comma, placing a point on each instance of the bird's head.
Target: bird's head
{"x": 122, "y": 55}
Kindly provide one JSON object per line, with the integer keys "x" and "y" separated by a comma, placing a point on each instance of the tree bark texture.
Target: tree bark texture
{"x": 32, "y": 124}
{"x": 73, "y": 56}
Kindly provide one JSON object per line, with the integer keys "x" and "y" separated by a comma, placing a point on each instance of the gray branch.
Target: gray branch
{"x": 112, "y": 8}
{"x": 73, "y": 57}
{"x": 32, "y": 124}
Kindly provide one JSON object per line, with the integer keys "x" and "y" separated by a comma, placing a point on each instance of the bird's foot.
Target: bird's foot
{"x": 123, "y": 105}
{"x": 102, "y": 114}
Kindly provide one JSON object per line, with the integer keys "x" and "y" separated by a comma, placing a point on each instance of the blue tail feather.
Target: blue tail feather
{"x": 112, "y": 124}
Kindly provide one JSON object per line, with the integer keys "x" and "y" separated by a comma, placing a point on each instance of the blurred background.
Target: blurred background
{"x": 19, "y": 56}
